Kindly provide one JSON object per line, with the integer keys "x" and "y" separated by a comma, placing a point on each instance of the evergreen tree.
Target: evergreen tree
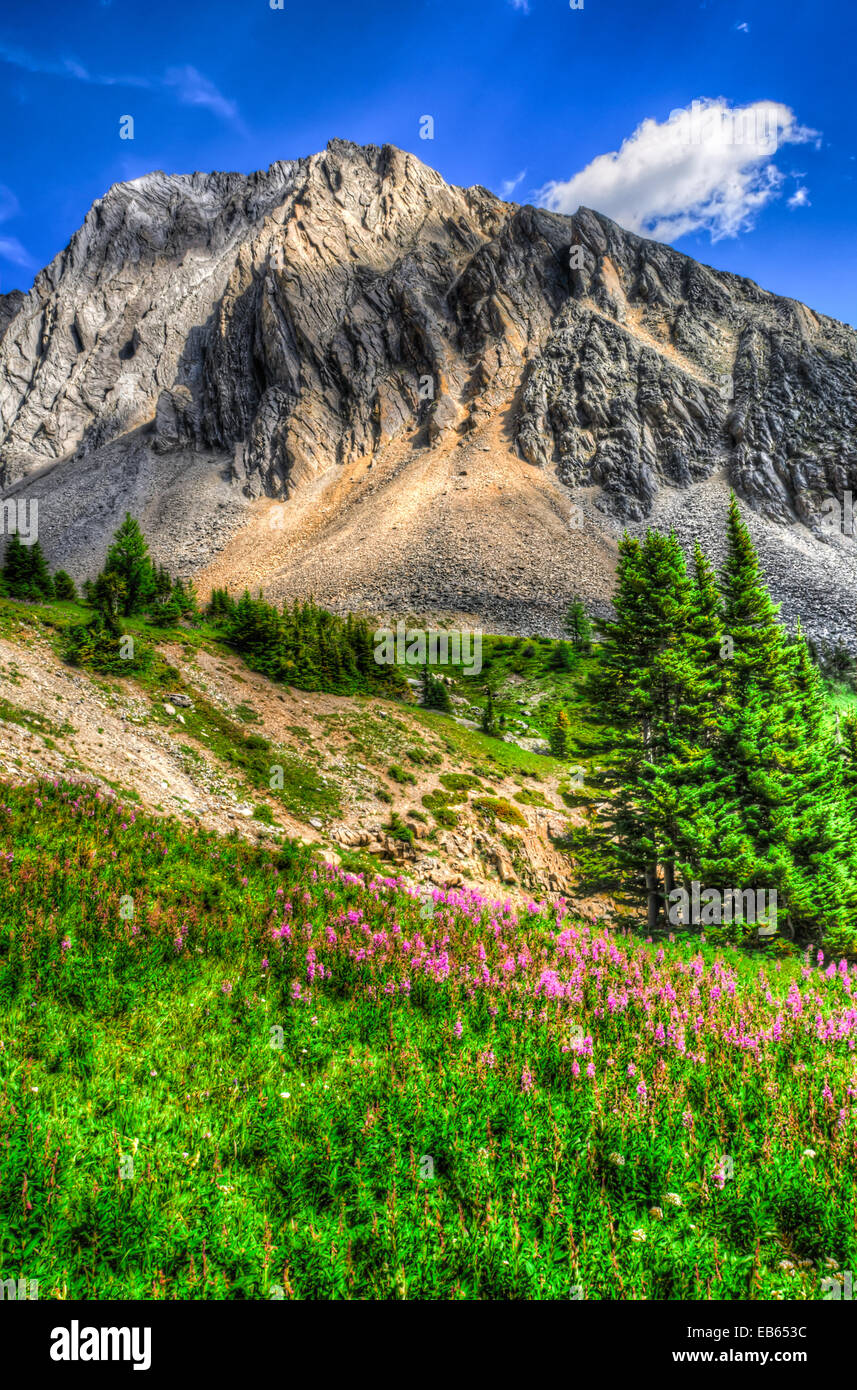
{"x": 563, "y": 657}
{"x": 644, "y": 689}
{"x": 25, "y": 574}
{"x": 40, "y": 580}
{"x": 16, "y": 568}
{"x": 433, "y": 692}
{"x": 64, "y": 587}
{"x": 489, "y": 718}
{"x": 560, "y": 736}
{"x": 128, "y": 559}
{"x": 749, "y": 616}
{"x": 578, "y": 626}
{"x": 725, "y": 767}
{"x": 108, "y": 600}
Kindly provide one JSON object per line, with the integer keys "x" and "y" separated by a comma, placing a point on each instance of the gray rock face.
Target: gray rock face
{"x": 207, "y": 340}
{"x": 290, "y": 319}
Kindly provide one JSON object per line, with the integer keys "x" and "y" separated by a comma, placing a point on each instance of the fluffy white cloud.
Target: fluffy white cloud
{"x": 707, "y": 168}
{"x": 800, "y": 198}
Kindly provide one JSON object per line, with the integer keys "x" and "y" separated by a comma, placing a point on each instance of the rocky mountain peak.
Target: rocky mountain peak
{"x": 242, "y": 335}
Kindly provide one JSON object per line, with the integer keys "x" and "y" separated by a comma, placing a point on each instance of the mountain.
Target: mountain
{"x": 344, "y": 376}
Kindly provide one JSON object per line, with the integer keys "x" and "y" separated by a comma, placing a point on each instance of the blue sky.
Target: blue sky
{"x": 531, "y": 98}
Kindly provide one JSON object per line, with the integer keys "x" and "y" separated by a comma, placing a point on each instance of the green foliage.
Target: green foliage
{"x": 560, "y": 736}
{"x": 578, "y": 626}
{"x": 501, "y": 809}
{"x": 488, "y": 721}
{"x": 25, "y": 574}
{"x": 397, "y": 830}
{"x": 724, "y": 768}
{"x": 323, "y": 1096}
{"x": 433, "y": 692}
{"x": 65, "y": 589}
{"x": 101, "y": 645}
{"x": 305, "y": 646}
{"x": 128, "y": 559}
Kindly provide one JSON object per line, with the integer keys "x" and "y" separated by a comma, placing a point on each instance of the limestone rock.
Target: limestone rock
{"x": 209, "y": 340}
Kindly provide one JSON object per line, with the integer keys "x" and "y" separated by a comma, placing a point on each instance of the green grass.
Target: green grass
{"x": 413, "y": 1130}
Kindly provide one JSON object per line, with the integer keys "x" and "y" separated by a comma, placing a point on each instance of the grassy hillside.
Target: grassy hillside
{"x": 468, "y": 1101}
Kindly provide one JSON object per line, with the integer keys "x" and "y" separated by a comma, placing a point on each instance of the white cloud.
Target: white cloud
{"x": 193, "y": 89}
{"x": 743, "y": 28}
{"x": 9, "y": 204}
{"x": 508, "y": 186}
{"x": 69, "y": 67}
{"x": 522, "y": 5}
{"x": 191, "y": 86}
{"x": 707, "y": 168}
{"x": 800, "y": 198}
{"x": 12, "y": 250}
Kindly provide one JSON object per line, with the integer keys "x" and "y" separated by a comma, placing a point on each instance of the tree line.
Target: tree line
{"x": 302, "y": 644}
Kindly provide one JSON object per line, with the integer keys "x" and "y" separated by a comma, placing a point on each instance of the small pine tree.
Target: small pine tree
{"x": 433, "y": 692}
{"x": 489, "y": 718}
{"x": 578, "y": 626}
{"x": 64, "y": 587}
{"x": 108, "y": 600}
{"x": 560, "y": 736}
{"x": 128, "y": 559}
{"x": 563, "y": 657}
{"x": 25, "y": 573}
{"x": 16, "y": 568}
{"x": 40, "y": 578}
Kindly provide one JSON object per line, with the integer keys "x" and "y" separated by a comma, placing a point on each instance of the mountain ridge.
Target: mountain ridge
{"x": 210, "y": 344}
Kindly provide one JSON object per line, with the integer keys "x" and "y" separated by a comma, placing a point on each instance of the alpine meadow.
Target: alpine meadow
{"x": 428, "y": 675}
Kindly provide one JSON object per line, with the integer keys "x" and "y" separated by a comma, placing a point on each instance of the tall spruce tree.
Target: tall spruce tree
{"x": 725, "y": 767}
{"x": 643, "y": 688}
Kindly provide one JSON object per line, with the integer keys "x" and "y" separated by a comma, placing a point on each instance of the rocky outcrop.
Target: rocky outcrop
{"x": 207, "y": 341}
